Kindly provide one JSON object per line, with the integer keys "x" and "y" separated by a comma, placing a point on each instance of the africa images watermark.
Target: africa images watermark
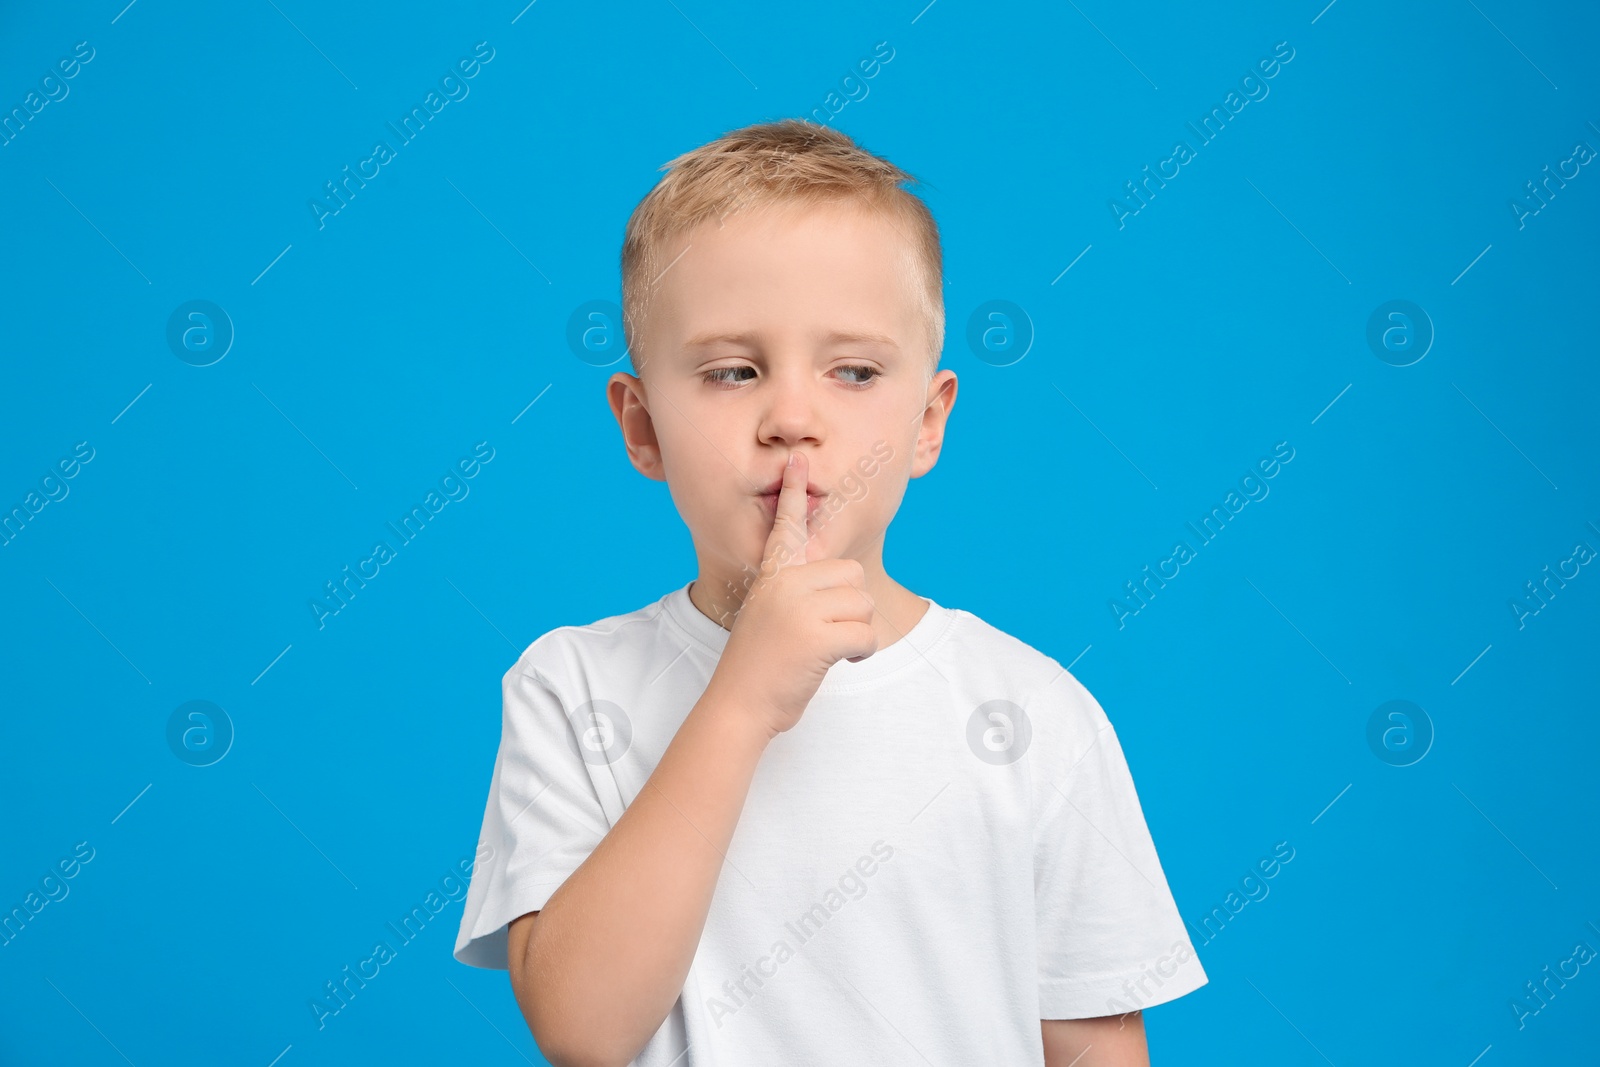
{"x": 453, "y": 84}
{"x": 854, "y": 88}
{"x": 852, "y": 885}
{"x": 54, "y": 87}
{"x": 1538, "y": 996}
{"x": 1248, "y": 893}
{"x": 337, "y": 597}
{"x": 1138, "y": 990}
{"x": 1135, "y": 198}
{"x": 452, "y": 890}
{"x": 1537, "y": 197}
{"x": 53, "y": 888}
{"x": 55, "y": 489}
{"x": 1535, "y": 598}
{"x": 1254, "y": 487}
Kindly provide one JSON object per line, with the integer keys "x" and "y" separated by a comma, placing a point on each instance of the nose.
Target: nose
{"x": 790, "y": 415}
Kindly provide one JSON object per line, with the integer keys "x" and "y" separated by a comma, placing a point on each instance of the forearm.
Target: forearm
{"x": 1107, "y": 1041}
{"x": 608, "y": 954}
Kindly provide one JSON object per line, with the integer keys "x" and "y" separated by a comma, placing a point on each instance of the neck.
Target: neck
{"x": 719, "y": 591}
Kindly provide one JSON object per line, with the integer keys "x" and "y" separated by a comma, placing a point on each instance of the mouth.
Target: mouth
{"x": 769, "y": 498}
{"x": 812, "y": 488}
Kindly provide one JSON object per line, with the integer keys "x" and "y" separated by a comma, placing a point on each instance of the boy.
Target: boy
{"x": 861, "y": 826}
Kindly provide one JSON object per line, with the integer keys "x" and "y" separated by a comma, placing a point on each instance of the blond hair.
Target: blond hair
{"x": 791, "y": 161}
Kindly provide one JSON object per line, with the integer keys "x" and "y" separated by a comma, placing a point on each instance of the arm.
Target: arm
{"x": 1110, "y": 1041}
{"x": 596, "y": 971}
{"x": 598, "y": 968}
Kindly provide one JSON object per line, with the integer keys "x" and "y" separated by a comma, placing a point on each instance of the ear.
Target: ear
{"x": 930, "y": 437}
{"x": 626, "y": 396}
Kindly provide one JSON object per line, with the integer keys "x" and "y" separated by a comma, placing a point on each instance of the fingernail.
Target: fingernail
{"x": 790, "y": 464}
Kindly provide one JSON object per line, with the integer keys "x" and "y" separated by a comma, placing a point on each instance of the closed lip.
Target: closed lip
{"x": 812, "y": 489}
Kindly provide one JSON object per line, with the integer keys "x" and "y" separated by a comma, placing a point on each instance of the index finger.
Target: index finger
{"x": 789, "y": 542}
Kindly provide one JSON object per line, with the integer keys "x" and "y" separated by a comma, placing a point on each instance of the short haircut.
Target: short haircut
{"x": 791, "y": 161}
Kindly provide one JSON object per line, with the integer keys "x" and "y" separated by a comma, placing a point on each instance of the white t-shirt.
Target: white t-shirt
{"x": 944, "y": 850}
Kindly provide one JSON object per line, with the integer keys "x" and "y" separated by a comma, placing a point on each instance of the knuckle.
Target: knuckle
{"x": 868, "y": 639}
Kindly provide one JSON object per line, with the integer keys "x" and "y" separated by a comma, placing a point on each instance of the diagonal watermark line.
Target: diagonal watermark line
{"x": 1513, "y": 44}
{"x": 1332, "y": 402}
{"x": 885, "y": 1018}
{"x": 1331, "y": 803}
{"x": 1502, "y": 833}
{"x": 479, "y": 1010}
{"x": 713, "y": 44}
{"x": 674, "y": 1061}
{"x": 280, "y": 1055}
{"x": 532, "y": 402}
{"x": 132, "y": 402}
{"x": 313, "y": 44}
{"x": 101, "y": 632}
{"x": 566, "y": 810}
{"x": 269, "y": 266}
{"x": 924, "y": 11}
{"x": 88, "y": 1020}
{"x": 302, "y": 433}
{"x": 1468, "y": 667}
{"x": 269, "y": 666}
{"x": 99, "y": 231}
{"x": 657, "y": 279}
{"x": 929, "y": 804}
{"x": 1299, "y": 231}
{"x": 131, "y": 803}
{"x": 124, "y": 11}
{"x": 1107, "y": 728}
{"x": 1502, "y": 433}
{"x": 1102, "y": 433}
{"x": 501, "y": 232}
{"x": 1301, "y": 632}
{"x": 1079, "y": 656}
{"x": 668, "y": 667}
{"x": 1104, "y": 838}
{"x": 486, "y": 618}
{"x": 1074, "y": 263}
{"x": 1324, "y": 11}
{"x": 524, "y": 11}
{"x": 1113, "y": 44}
{"x": 302, "y": 833}
{"x": 1288, "y": 1020}
{"x": 1469, "y": 266}
{"x": 1081, "y": 1055}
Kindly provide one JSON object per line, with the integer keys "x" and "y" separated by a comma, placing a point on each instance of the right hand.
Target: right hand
{"x": 801, "y": 615}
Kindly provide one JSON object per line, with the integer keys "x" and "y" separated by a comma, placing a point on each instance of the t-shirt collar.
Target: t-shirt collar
{"x": 911, "y": 647}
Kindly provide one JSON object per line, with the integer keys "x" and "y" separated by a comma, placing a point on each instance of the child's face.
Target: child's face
{"x": 789, "y": 328}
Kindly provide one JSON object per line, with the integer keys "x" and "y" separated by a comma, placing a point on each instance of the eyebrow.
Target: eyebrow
{"x": 835, "y": 337}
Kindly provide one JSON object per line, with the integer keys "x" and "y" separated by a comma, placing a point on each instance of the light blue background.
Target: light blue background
{"x": 1227, "y": 315}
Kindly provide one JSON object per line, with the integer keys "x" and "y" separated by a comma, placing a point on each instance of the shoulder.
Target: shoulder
{"x": 577, "y": 651}
{"x": 1001, "y": 663}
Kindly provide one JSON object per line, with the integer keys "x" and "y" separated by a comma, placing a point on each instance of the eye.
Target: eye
{"x": 722, "y": 375}
{"x": 865, "y": 370}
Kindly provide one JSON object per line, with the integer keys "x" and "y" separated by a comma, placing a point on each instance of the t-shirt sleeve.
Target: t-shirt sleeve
{"x": 542, "y": 820}
{"x": 1110, "y": 937}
